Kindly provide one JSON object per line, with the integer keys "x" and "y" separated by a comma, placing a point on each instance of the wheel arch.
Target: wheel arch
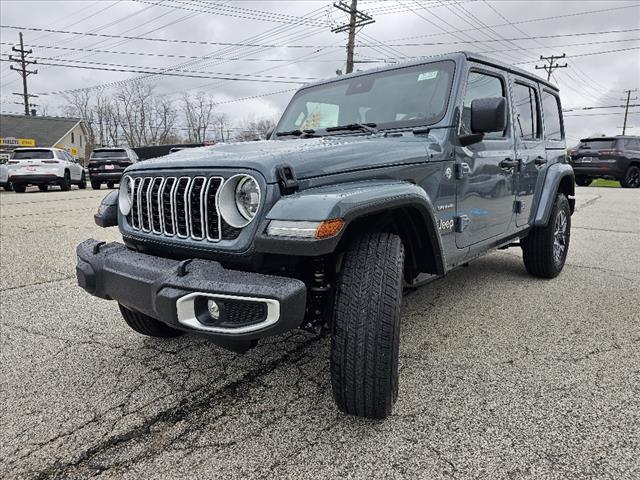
{"x": 382, "y": 205}
{"x": 560, "y": 178}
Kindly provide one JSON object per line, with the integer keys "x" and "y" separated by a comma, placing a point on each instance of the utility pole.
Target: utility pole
{"x": 24, "y": 73}
{"x": 356, "y": 19}
{"x": 551, "y": 66}
{"x": 626, "y": 109}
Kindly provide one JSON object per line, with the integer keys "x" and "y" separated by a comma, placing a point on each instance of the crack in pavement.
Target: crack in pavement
{"x": 186, "y": 407}
{"x": 43, "y": 282}
{"x": 588, "y": 203}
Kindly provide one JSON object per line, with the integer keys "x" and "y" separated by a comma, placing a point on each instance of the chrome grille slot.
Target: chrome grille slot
{"x": 166, "y": 196}
{"x": 180, "y": 206}
{"x": 155, "y": 206}
{"x": 212, "y": 218}
{"x": 135, "y": 210}
{"x": 196, "y": 207}
{"x": 186, "y": 207}
{"x": 145, "y": 223}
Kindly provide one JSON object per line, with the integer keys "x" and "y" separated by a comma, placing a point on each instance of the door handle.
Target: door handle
{"x": 540, "y": 161}
{"x": 508, "y": 164}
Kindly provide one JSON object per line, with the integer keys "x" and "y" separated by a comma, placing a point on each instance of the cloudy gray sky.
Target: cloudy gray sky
{"x": 257, "y": 48}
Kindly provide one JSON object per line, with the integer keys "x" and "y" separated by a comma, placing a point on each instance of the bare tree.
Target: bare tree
{"x": 79, "y": 106}
{"x": 252, "y": 129}
{"x": 198, "y": 113}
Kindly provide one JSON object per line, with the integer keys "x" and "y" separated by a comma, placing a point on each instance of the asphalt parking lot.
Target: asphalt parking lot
{"x": 502, "y": 375}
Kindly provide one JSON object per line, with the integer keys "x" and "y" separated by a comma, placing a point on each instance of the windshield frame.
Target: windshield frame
{"x": 397, "y": 125}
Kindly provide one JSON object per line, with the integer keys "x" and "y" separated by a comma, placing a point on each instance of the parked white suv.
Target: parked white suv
{"x": 4, "y": 175}
{"x": 44, "y": 167}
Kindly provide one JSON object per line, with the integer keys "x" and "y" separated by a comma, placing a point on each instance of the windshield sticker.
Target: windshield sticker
{"x": 427, "y": 75}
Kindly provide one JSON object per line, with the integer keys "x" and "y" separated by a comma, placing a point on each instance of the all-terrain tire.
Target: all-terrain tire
{"x": 65, "y": 184}
{"x": 583, "y": 181}
{"x": 96, "y": 185}
{"x": 83, "y": 182}
{"x": 146, "y": 325}
{"x": 545, "y": 248}
{"x": 19, "y": 188}
{"x": 366, "y": 326}
{"x": 631, "y": 177}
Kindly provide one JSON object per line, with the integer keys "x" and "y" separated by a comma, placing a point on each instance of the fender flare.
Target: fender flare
{"x": 552, "y": 182}
{"x": 350, "y": 201}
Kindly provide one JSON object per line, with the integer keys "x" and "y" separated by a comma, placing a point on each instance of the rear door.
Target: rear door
{"x": 485, "y": 183}
{"x": 530, "y": 149}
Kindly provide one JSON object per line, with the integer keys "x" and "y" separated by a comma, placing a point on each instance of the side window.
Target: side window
{"x": 72, "y": 138}
{"x": 527, "y": 120}
{"x": 480, "y": 85}
{"x": 632, "y": 144}
{"x": 552, "y": 122}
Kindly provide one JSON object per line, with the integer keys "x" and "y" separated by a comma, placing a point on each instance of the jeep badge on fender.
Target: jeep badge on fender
{"x": 368, "y": 182}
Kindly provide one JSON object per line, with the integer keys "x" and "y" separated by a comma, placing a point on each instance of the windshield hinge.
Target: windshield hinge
{"x": 287, "y": 180}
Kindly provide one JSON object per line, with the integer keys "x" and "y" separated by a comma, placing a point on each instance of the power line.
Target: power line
{"x": 170, "y": 74}
{"x": 357, "y": 19}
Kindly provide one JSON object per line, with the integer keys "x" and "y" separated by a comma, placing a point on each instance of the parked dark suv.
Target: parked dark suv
{"x": 370, "y": 183}
{"x": 106, "y": 165}
{"x": 614, "y": 158}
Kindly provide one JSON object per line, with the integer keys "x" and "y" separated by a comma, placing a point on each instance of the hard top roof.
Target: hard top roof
{"x": 436, "y": 58}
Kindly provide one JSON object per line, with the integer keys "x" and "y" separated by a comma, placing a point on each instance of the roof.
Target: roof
{"x": 436, "y": 58}
{"x": 46, "y": 131}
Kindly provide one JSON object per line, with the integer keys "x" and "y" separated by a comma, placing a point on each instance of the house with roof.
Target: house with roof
{"x": 40, "y": 131}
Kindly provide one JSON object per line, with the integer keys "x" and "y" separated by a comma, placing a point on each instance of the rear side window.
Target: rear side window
{"x": 109, "y": 154}
{"x": 552, "y": 121}
{"x": 526, "y": 107}
{"x": 32, "y": 154}
{"x": 480, "y": 85}
{"x": 632, "y": 144}
{"x": 598, "y": 144}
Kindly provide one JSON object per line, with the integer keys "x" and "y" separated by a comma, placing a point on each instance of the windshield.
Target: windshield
{"x": 109, "y": 154}
{"x": 600, "y": 144}
{"x": 32, "y": 154}
{"x": 404, "y": 97}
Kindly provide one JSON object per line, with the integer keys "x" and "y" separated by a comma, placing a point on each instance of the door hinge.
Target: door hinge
{"x": 518, "y": 206}
{"x": 462, "y": 170}
{"x": 462, "y": 222}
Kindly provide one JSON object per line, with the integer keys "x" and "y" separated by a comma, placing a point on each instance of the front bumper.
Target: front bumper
{"x": 162, "y": 289}
{"x": 35, "y": 179}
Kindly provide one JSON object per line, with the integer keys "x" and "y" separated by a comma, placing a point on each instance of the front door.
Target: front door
{"x": 530, "y": 149}
{"x": 485, "y": 190}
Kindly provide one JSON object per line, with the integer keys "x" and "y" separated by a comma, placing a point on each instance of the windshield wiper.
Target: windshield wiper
{"x": 297, "y": 132}
{"x": 366, "y": 127}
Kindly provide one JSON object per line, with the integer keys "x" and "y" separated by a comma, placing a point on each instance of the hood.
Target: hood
{"x": 309, "y": 157}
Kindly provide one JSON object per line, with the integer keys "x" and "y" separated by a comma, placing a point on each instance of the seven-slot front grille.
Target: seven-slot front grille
{"x": 185, "y": 207}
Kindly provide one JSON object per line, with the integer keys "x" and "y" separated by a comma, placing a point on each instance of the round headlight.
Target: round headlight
{"x": 124, "y": 195}
{"x": 239, "y": 200}
{"x": 248, "y": 197}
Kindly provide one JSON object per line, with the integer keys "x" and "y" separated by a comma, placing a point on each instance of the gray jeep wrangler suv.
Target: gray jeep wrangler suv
{"x": 370, "y": 183}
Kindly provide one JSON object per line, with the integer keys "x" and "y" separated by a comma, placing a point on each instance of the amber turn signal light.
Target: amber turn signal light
{"x": 329, "y": 228}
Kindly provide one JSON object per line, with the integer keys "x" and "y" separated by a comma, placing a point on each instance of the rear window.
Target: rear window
{"x": 109, "y": 154}
{"x": 32, "y": 154}
{"x": 599, "y": 144}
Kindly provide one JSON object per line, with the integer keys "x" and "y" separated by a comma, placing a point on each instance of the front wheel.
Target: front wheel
{"x": 83, "y": 182}
{"x": 545, "y": 248}
{"x": 95, "y": 185}
{"x": 43, "y": 188}
{"x": 583, "y": 181}
{"x": 146, "y": 325}
{"x": 65, "y": 184}
{"x": 18, "y": 188}
{"x": 631, "y": 177}
{"x": 366, "y": 326}
{"x": 110, "y": 185}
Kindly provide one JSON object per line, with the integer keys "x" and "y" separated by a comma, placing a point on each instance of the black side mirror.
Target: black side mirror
{"x": 488, "y": 115}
